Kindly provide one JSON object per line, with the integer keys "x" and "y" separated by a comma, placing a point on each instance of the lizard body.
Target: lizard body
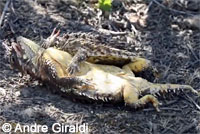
{"x": 83, "y": 49}
{"x": 94, "y": 81}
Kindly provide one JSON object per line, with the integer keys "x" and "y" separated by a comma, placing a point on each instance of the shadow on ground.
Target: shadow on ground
{"x": 174, "y": 50}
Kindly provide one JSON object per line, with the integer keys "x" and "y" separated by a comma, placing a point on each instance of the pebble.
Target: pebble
{"x": 28, "y": 112}
{"x": 2, "y": 91}
{"x": 17, "y": 93}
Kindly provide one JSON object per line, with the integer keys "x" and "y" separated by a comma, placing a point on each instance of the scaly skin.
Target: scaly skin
{"x": 84, "y": 50}
{"x": 29, "y": 58}
{"x": 93, "y": 81}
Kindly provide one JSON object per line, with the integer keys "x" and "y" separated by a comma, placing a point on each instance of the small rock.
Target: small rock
{"x": 192, "y": 22}
{"x": 2, "y": 91}
{"x": 17, "y": 93}
{"x": 116, "y": 3}
{"x": 193, "y": 5}
{"x": 28, "y": 112}
{"x": 25, "y": 92}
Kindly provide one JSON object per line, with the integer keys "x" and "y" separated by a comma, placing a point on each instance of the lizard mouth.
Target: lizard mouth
{"x": 18, "y": 50}
{"x": 15, "y": 55}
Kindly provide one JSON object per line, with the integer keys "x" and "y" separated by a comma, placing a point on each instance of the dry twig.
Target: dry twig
{"x": 109, "y": 32}
{"x": 192, "y": 51}
{"x": 170, "y": 9}
{"x": 186, "y": 128}
{"x": 4, "y": 11}
{"x": 197, "y": 106}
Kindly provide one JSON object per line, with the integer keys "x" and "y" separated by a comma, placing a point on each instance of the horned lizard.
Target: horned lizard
{"x": 84, "y": 49}
{"x": 93, "y": 81}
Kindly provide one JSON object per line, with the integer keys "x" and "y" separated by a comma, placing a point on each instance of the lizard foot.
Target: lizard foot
{"x": 198, "y": 92}
{"x": 156, "y": 106}
{"x": 51, "y": 39}
{"x": 73, "y": 68}
{"x": 87, "y": 84}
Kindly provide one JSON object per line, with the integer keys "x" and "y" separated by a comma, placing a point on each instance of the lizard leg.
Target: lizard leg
{"x": 79, "y": 57}
{"x": 128, "y": 70}
{"x": 144, "y": 100}
{"x": 131, "y": 98}
{"x": 138, "y": 64}
{"x": 54, "y": 72}
{"x": 142, "y": 68}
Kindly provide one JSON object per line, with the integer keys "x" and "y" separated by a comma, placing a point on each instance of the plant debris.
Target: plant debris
{"x": 152, "y": 28}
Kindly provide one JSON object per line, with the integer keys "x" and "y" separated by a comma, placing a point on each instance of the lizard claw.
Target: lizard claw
{"x": 54, "y": 33}
{"x": 87, "y": 84}
{"x": 72, "y": 69}
{"x": 198, "y": 93}
{"x": 157, "y": 107}
{"x": 51, "y": 39}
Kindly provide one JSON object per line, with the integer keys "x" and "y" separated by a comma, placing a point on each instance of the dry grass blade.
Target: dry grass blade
{"x": 186, "y": 128}
{"x": 109, "y": 32}
{"x": 4, "y": 11}
{"x": 170, "y": 9}
{"x": 191, "y": 49}
{"x": 197, "y": 106}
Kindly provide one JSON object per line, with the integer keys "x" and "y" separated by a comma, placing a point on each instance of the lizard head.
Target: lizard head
{"x": 13, "y": 54}
{"x": 20, "y": 54}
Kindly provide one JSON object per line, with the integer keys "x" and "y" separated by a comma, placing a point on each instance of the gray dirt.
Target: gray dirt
{"x": 173, "y": 47}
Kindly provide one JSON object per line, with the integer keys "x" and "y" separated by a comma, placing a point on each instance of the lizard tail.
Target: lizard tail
{"x": 158, "y": 89}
